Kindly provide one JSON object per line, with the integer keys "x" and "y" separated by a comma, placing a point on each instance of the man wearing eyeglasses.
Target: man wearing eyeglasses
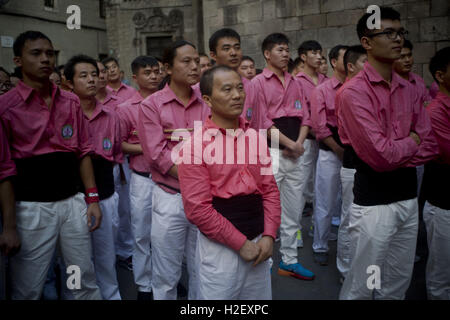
{"x": 381, "y": 117}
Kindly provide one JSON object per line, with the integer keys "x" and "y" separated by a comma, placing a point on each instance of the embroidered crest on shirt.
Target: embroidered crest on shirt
{"x": 107, "y": 144}
{"x": 249, "y": 113}
{"x": 67, "y": 131}
{"x": 298, "y": 105}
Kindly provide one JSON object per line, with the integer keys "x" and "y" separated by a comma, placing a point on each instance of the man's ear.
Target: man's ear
{"x": 17, "y": 61}
{"x": 266, "y": 54}
{"x": 167, "y": 69}
{"x": 333, "y": 63}
{"x": 366, "y": 43}
{"x": 134, "y": 78}
{"x": 213, "y": 56}
{"x": 69, "y": 83}
{"x": 350, "y": 68}
{"x": 439, "y": 77}
{"x": 207, "y": 100}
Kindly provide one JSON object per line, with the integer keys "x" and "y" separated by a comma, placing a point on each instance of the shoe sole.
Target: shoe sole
{"x": 286, "y": 273}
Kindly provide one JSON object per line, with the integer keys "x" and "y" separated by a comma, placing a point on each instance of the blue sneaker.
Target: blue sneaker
{"x": 295, "y": 270}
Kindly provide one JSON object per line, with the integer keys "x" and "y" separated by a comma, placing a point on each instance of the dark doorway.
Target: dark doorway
{"x": 156, "y": 45}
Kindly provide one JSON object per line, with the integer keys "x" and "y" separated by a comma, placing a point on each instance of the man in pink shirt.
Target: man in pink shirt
{"x": 247, "y": 68}
{"x": 436, "y": 212}
{"x": 103, "y": 94}
{"x": 311, "y": 54}
{"x": 175, "y": 107}
{"x": 104, "y": 133}
{"x": 236, "y": 206}
{"x": 327, "y": 186}
{"x": 146, "y": 76}
{"x": 283, "y": 99}
{"x": 50, "y": 146}
{"x": 225, "y": 49}
{"x": 116, "y": 86}
{"x": 382, "y": 118}
{"x": 354, "y": 59}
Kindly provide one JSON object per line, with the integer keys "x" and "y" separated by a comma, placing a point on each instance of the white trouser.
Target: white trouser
{"x": 310, "y": 159}
{"x": 141, "y": 222}
{"x": 124, "y": 239}
{"x": 385, "y": 239}
{"x": 224, "y": 275}
{"x": 328, "y": 195}
{"x": 343, "y": 257}
{"x": 437, "y": 222}
{"x": 41, "y": 226}
{"x": 291, "y": 182}
{"x": 104, "y": 252}
{"x": 172, "y": 236}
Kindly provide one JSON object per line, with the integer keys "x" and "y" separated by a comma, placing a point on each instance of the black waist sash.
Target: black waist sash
{"x": 47, "y": 178}
{"x": 335, "y": 135}
{"x": 435, "y": 185}
{"x": 104, "y": 177}
{"x": 289, "y": 126}
{"x": 373, "y": 188}
{"x": 349, "y": 154}
{"x": 246, "y": 213}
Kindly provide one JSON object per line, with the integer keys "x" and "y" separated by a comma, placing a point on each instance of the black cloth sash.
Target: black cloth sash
{"x": 246, "y": 213}
{"x": 289, "y": 126}
{"x": 373, "y": 188}
{"x": 142, "y": 174}
{"x": 335, "y": 135}
{"x": 49, "y": 177}
{"x": 349, "y": 154}
{"x": 435, "y": 184}
{"x": 104, "y": 176}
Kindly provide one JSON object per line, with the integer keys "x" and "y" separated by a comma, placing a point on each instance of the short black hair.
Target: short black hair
{"x": 109, "y": 59}
{"x": 334, "y": 52}
{"x": 4, "y": 71}
{"x": 386, "y": 13}
{"x": 17, "y": 73}
{"x": 19, "y": 43}
{"x": 203, "y": 55}
{"x": 171, "y": 51}
{"x": 352, "y": 55}
{"x": 69, "y": 68}
{"x": 408, "y": 44}
{"x": 248, "y": 58}
{"x": 272, "y": 40}
{"x": 222, "y": 33}
{"x": 309, "y": 45}
{"x": 207, "y": 80}
{"x": 440, "y": 61}
{"x": 142, "y": 62}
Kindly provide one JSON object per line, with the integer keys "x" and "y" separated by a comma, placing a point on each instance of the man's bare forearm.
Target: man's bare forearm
{"x": 8, "y": 206}
{"x": 133, "y": 149}
{"x": 87, "y": 173}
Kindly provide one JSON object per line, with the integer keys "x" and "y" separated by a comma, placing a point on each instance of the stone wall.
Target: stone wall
{"x": 330, "y": 22}
{"x": 17, "y": 16}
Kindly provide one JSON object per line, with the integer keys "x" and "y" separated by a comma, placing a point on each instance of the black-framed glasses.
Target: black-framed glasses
{"x": 391, "y": 34}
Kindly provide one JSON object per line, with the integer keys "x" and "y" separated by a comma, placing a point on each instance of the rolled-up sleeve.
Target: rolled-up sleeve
{"x": 7, "y": 166}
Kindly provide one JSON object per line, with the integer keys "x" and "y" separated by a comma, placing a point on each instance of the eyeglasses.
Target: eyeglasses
{"x": 391, "y": 34}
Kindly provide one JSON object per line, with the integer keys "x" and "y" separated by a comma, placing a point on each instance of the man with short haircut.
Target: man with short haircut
{"x": 382, "y": 118}
{"x": 403, "y": 67}
{"x": 51, "y": 157}
{"x": 146, "y": 72}
{"x": 436, "y": 212}
{"x": 283, "y": 99}
{"x": 323, "y": 68}
{"x": 205, "y": 63}
{"x": 311, "y": 54}
{"x": 117, "y": 87}
{"x": 235, "y": 206}
{"x": 104, "y": 133}
{"x": 247, "y": 68}
{"x": 327, "y": 186}
{"x": 297, "y": 66}
{"x": 103, "y": 94}
{"x": 354, "y": 59}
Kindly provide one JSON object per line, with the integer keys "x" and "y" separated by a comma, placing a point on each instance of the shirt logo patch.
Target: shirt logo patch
{"x": 298, "y": 105}
{"x": 107, "y": 144}
{"x": 67, "y": 131}
{"x": 249, "y": 113}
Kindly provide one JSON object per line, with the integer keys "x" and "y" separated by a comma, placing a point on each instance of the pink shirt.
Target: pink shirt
{"x": 434, "y": 89}
{"x": 124, "y": 92}
{"x": 439, "y": 111}
{"x": 323, "y": 114}
{"x": 129, "y": 114}
{"x": 111, "y": 101}
{"x": 421, "y": 88}
{"x": 34, "y": 129}
{"x": 201, "y": 180}
{"x": 7, "y": 166}
{"x": 376, "y": 120}
{"x": 278, "y": 100}
{"x": 158, "y": 113}
{"x": 104, "y": 133}
{"x": 308, "y": 84}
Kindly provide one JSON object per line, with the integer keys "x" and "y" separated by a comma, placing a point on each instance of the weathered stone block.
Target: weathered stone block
{"x": 423, "y": 51}
{"x": 210, "y": 8}
{"x": 304, "y": 35}
{"x": 412, "y": 26}
{"x": 434, "y": 29}
{"x": 426, "y": 75}
{"x": 440, "y": 8}
{"x": 269, "y": 10}
{"x": 343, "y": 18}
{"x": 306, "y": 7}
{"x": 418, "y": 9}
{"x": 331, "y": 5}
{"x": 442, "y": 44}
{"x": 314, "y": 21}
{"x": 230, "y": 15}
{"x": 250, "y": 12}
{"x": 357, "y": 4}
{"x": 286, "y": 8}
{"x": 292, "y": 24}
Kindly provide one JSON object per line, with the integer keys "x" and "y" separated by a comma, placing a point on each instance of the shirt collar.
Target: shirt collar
{"x": 335, "y": 83}
{"x": 109, "y": 96}
{"x": 209, "y": 124}
{"x": 269, "y": 73}
{"x": 168, "y": 96}
{"x": 136, "y": 98}
{"x": 375, "y": 77}
{"x": 99, "y": 109}
{"x": 320, "y": 77}
{"x": 445, "y": 99}
{"x": 25, "y": 91}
